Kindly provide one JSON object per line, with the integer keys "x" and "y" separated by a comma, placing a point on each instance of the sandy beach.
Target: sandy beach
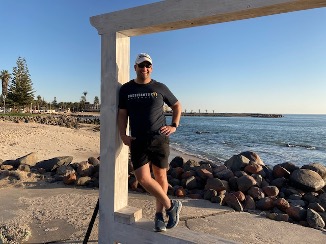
{"x": 35, "y": 211}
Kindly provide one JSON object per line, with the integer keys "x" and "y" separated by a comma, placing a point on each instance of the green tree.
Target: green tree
{"x": 39, "y": 102}
{"x": 96, "y": 102}
{"x": 54, "y": 103}
{"x": 21, "y": 87}
{"x": 5, "y": 77}
{"x": 85, "y": 94}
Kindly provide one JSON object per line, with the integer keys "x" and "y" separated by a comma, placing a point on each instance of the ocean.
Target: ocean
{"x": 300, "y": 139}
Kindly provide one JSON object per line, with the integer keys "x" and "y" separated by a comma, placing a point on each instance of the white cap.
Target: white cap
{"x": 142, "y": 57}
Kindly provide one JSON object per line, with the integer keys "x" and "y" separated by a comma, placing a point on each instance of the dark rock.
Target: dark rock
{"x": 239, "y": 173}
{"x": 317, "y": 167}
{"x": 282, "y": 204}
{"x": 188, "y": 174}
{"x": 24, "y": 167}
{"x": 314, "y": 219}
{"x": 233, "y": 183}
{"x": 6, "y": 167}
{"x": 195, "y": 196}
{"x": 225, "y": 174}
{"x": 271, "y": 191}
{"x": 256, "y": 193}
{"x": 190, "y": 165}
{"x": 295, "y": 196}
{"x": 259, "y": 179}
{"x": 278, "y": 216}
{"x": 289, "y": 166}
{"x": 174, "y": 181}
{"x": 69, "y": 179}
{"x": 297, "y": 213}
{"x": 180, "y": 192}
{"x": 13, "y": 163}
{"x": 310, "y": 197}
{"x": 279, "y": 172}
{"x": 216, "y": 184}
{"x": 82, "y": 181}
{"x": 204, "y": 173}
{"x": 54, "y": 163}
{"x": 85, "y": 169}
{"x": 209, "y": 194}
{"x": 322, "y": 200}
{"x": 237, "y": 162}
{"x": 177, "y": 162}
{"x": 279, "y": 182}
{"x": 253, "y": 168}
{"x": 176, "y": 172}
{"x": 265, "y": 203}
{"x": 93, "y": 161}
{"x": 29, "y": 159}
{"x": 245, "y": 182}
{"x": 316, "y": 206}
{"x": 218, "y": 199}
{"x": 307, "y": 180}
{"x": 241, "y": 197}
{"x": 249, "y": 203}
{"x": 232, "y": 201}
{"x": 299, "y": 203}
{"x": 191, "y": 183}
{"x": 253, "y": 157}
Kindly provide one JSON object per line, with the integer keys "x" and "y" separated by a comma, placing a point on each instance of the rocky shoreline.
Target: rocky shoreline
{"x": 282, "y": 193}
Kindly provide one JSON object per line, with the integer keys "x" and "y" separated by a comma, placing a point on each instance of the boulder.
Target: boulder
{"x": 54, "y": 163}
{"x": 29, "y": 159}
{"x": 245, "y": 182}
{"x": 317, "y": 167}
{"x": 314, "y": 219}
{"x": 307, "y": 180}
{"x": 237, "y": 162}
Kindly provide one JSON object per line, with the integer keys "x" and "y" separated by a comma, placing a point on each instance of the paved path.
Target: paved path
{"x": 197, "y": 215}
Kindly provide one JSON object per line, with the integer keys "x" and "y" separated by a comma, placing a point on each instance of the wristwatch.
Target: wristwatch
{"x": 174, "y": 125}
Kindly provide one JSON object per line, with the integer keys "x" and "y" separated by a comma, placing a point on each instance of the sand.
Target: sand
{"x": 35, "y": 211}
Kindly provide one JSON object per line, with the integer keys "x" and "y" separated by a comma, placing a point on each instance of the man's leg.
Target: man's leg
{"x": 161, "y": 177}
{"x": 152, "y": 186}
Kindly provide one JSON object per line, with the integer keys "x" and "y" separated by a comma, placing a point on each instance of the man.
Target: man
{"x": 142, "y": 100}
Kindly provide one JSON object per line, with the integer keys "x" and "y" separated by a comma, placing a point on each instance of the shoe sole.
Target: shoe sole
{"x": 161, "y": 230}
{"x": 178, "y": 213}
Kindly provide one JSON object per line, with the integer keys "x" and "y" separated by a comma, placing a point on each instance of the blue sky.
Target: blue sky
{"x": 273, "y": 64}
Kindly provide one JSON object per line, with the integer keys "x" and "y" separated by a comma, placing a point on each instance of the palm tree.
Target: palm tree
{"x": 5, "y": 77}
{"x": 85, "y": 94}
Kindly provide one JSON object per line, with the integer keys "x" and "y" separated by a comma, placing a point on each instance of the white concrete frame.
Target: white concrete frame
{"x": 116, "y": 28}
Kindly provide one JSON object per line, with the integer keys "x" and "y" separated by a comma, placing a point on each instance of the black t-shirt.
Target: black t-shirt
{"x": 144, "y": 103}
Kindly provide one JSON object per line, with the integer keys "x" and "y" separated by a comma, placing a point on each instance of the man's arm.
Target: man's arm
{"x": 122, "y": 125}
{"x": 176, "y": 115}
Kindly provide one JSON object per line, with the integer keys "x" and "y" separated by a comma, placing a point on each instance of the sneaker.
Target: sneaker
{"x": 173, "y": 214}
{"x": 159, "y": 223}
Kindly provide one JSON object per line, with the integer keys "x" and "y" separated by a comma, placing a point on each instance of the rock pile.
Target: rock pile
{"x": 60, "y": 120}
{"x": 244, "y": 183}
{"x": 85, "y": 173}
{"x": 69, "y": 121}
{"x": 284, "y": 192}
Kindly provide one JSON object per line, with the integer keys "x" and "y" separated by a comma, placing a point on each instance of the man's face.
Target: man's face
{"x": 143, "y": 70}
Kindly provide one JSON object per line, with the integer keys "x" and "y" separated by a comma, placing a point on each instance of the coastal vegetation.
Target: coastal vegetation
{"x": 18, "y": 94}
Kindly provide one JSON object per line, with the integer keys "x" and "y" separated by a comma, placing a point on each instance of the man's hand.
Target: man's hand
{"x": 167, "y": 130}
{"x": 127, "y": 140}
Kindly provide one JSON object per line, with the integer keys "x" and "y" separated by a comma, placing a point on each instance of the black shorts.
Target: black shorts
{"x": 152, "y": 148}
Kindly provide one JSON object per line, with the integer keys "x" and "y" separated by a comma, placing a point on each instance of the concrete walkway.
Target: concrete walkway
{"x": 219, "y": 224}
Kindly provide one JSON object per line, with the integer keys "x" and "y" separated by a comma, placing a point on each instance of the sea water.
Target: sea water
{"x": 300, "y": 139}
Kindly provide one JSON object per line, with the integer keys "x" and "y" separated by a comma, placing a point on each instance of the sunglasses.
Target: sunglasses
{"x": 142, "y": 65}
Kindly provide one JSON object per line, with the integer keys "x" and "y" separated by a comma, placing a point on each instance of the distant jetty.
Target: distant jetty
{"x": 256, "y": 115}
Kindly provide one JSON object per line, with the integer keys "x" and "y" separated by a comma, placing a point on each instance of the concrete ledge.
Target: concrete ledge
{"x": 142, "y": 232}
{"x": 128, "y": 215}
